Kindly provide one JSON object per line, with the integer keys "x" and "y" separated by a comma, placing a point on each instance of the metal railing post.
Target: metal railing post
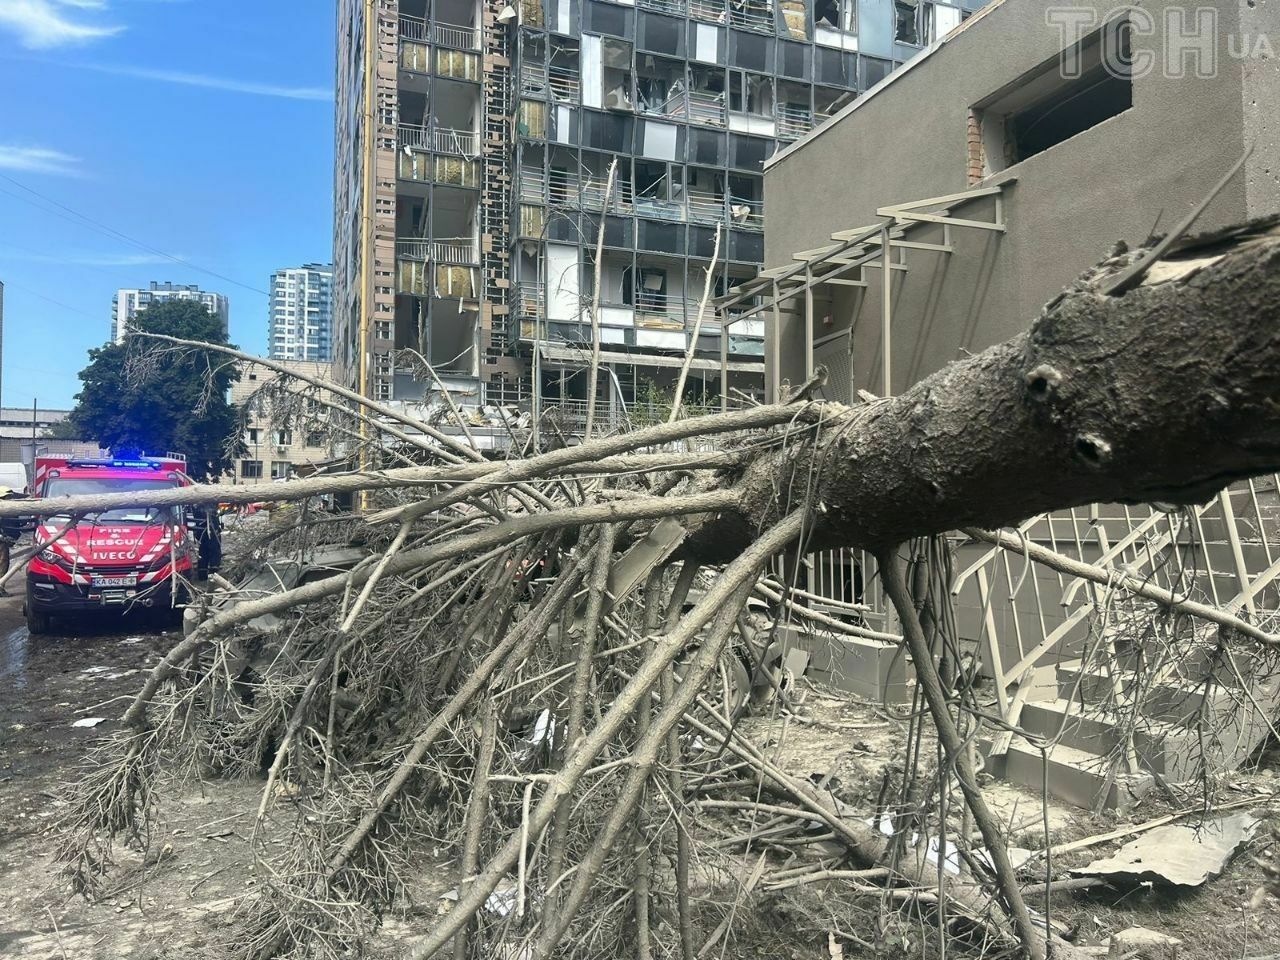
{"x": 1237, "y": 551}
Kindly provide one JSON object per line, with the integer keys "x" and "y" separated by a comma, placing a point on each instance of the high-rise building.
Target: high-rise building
{"x": 485, "y": 150}
{"x": 301, "y": 326}
{"x": 127, "y": 302}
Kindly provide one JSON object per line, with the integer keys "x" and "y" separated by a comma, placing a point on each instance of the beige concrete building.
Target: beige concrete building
{"x": 276, "y": 446}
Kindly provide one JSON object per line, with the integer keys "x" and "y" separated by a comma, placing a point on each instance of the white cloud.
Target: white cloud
{"x": 38, "y": 160}
{"x": 41, "y": 24}
{"x": 230, "y": 84}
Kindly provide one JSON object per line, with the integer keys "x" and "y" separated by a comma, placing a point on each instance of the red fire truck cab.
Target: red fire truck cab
{"x": 125, "y": 557}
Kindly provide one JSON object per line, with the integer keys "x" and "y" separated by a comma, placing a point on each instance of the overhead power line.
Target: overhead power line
{"x": 113, "y": 232}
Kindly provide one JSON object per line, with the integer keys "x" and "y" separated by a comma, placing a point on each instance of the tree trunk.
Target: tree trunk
{"x": 1166, "y": 393}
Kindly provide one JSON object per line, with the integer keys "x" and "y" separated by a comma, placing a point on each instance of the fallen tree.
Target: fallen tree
{"x": 403, "y": 694}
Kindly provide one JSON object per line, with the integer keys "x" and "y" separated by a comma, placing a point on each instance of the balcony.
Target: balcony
{"x": 565, "y": 84}
{"x": 533, "y": 79}
{"x": 455, "y": 143}
{"x": 712, "y": 10}
{"x": 529, "y": 300}
{"x": 676, "y": 7}
{"x": 793, "y": 121}
{"x": 533, "y": 185}
{"x": 664, "y": 310}
{"x": 706, "y": 108}
{"x": 748, "y": 214}
{"x": 441, "y": 34}
{"x": 454, "y": 252}
{"x": 567, "y": 190}
{"x": 752, "y": 14}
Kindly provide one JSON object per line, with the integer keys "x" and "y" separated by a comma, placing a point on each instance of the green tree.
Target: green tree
{"x": 141, "y": 396}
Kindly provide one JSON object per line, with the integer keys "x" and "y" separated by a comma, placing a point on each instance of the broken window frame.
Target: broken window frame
{"x": 839, "y": 15}
{"x": 1004, "y": 142}
{"x": 907, "y": 22}
{"x": 750, "y": 93}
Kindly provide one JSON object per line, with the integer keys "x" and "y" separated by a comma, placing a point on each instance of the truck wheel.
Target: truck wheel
{"x": 37, "y": 622}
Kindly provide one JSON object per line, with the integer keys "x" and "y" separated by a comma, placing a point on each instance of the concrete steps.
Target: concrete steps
{"x": 1096, "y": 712}
{"x": 1076, "y": 776}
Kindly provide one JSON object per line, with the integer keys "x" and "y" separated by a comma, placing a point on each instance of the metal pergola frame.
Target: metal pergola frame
{"x": 858, "y": 249}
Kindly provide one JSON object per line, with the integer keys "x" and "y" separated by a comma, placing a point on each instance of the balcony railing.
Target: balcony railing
{"x": 442, "y": 34}
{"x": 533, "y": 78}
{"x": 662, "y": 6}
{"x": 457, "y": 251}
{"x": 705, "y": 108}
{"x": 533, "y": 185}
{"x": 713, "y": 10}
{"x": 458, "y": 143}
{"x": 664, "y": 308}
{"x": 752, "y": 14}
{"x": 746, "y": 213}
{"x": 529, "y": 299}
{"x": 567, "y": 190}
{"x": 565, "y": 84}
{"x": 706, "y": 206}
{"x": 694, "y": 206}
{"x": 793, "y": 121}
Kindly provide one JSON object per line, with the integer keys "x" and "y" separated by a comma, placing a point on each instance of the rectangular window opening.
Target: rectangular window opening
{"x": 906, "y": 20}
{"x": 1043, "y": 109}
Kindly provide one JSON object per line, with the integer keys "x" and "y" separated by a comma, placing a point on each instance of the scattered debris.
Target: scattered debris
{"x": 89, "y": 721}
{"x": 1178, "y": 854}
{"x": 1144, "y": 943}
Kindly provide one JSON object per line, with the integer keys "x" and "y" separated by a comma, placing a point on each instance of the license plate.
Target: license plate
{"x": 115, "y": 581}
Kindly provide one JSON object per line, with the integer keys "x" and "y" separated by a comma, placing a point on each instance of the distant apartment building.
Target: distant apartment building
{"x": 127, "y": 303}
{"x": 301, "y": 326}
{"x": 275, "y": 449}
{"x": 474, "y": 145}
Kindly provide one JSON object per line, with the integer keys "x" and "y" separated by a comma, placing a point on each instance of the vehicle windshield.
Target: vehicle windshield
{"x": 88, "y": 486}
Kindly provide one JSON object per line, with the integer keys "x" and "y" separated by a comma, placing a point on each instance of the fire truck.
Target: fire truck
{"x": 123, "y": 558}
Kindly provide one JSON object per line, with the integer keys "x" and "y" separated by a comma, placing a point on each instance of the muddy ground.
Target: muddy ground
{"x": 180, "y": 905}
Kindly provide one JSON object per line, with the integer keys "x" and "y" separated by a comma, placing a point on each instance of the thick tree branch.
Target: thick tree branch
{"x": 1168, "y": 393}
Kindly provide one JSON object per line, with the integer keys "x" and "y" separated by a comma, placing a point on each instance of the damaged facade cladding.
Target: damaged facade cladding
{"x": 471, "y": 184}
{"x": 1033, "y": 176}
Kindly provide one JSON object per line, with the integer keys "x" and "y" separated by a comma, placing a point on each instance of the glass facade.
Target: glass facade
{"x": 546, "y": 163}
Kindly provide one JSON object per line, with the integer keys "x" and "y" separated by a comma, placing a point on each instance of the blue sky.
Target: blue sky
{"x": 201, "y": 129}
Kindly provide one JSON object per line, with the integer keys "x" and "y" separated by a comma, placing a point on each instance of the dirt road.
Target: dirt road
{"x": 48, "y": 685}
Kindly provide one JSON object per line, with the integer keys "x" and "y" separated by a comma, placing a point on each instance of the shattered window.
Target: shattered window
{"x": 615, "y": 74}
{"x": 906, "y": 21}
{"x": 750, "y": 93}
{"x": 837, "y": 14}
